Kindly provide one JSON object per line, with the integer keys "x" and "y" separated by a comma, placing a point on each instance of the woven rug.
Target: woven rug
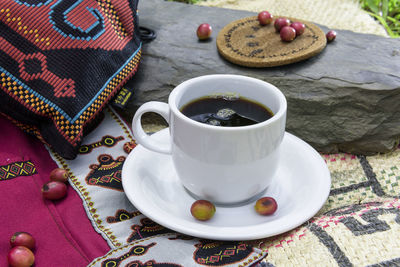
{"x": 335, "y": 14}
{"x": 359, "y": 225}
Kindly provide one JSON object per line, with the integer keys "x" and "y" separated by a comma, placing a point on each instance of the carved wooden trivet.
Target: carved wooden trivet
{"x": 245, "y": 42}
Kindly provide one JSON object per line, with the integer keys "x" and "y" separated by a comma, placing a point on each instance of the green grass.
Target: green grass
{"x": 387, "y": 12}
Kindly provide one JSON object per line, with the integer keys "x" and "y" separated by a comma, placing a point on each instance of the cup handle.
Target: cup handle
{"x": 141, "y": 136}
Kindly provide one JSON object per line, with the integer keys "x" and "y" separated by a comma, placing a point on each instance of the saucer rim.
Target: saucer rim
{"x": 203, "y": 230}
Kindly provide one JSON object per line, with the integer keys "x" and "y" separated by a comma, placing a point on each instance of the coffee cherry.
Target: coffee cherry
{"x": 59, "y": 174}
{"x": 54, "y": 190}
{"x": 129, "y": 146}
{"x": 299, "y": 27}
{"x": 280, "y": 23}
{"x": 204, "y": 31}
{"x": 22, "y": 239}
{"x": 288, "y": 34}
{"x": 330, "y": 36}
{"x": 266, "y": 206}
{"x": 20, "y": 256}
{"x": 264, "y": 18}
{"x": 202, "y": 210}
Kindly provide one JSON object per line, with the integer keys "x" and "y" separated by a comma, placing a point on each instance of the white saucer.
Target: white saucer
{"x": 301, "y": 187}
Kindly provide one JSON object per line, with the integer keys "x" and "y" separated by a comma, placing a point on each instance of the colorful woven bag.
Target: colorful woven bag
{"x": 62, "y": 61}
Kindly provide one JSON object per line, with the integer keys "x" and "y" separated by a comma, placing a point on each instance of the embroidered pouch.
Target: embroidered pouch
{"x": 62, "y": 61}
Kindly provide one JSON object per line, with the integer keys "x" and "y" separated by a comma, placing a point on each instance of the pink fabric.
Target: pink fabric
{"x": 64, "y": 235}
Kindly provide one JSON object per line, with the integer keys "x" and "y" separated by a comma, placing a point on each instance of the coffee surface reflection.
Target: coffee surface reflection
{"x": 226, "y": 111}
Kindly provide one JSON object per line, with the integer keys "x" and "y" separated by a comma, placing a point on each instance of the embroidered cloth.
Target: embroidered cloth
{"x": 359, "y": 225}
{"x": 61, "y": 62}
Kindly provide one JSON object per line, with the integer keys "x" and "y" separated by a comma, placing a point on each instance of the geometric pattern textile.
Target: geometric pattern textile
{"x": 359, "y": 225}
{"x": 16, "y": 169}
{"x": 186, "y": 251}
{"x": 61, "y": 62}
{"x": 64, "y": 236}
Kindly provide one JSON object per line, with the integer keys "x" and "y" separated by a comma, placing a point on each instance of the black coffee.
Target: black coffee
{"x": 226, "y": 111}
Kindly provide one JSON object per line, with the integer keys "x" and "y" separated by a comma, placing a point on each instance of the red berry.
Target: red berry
{"x": 266, "y": 206}
{"x": 22, "y": 239}
{"x": 264, "y": 18}
{"x": 54, "y": 190}
{"x": 288, "y": 34}
{"x": 204, "y": 31}
{"x": 129, "y": 146}
{"x": 202, "y": 210}
{"x": 59, "y": 174}
{"x": 330, "y": 36}
{"x": 299, "y": 27}
{"x": 20, "y": 256}
{"x": 280, "y": 23}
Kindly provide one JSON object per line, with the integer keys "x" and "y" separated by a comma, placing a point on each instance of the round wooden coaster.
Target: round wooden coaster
{"x": 245, "y": 42}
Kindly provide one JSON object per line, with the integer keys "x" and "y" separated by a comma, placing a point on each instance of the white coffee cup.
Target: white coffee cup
{"x": 225, "y": 165}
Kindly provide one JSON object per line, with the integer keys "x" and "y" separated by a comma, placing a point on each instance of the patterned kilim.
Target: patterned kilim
{"x": 359, "y": 225}
{"x": 62, "y": 61}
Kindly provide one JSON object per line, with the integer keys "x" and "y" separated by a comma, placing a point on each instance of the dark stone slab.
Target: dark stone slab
{"x": 347, "y": 98}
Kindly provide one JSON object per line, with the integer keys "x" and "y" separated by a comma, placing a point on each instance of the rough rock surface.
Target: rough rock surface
{"x": 347, "y": 98}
